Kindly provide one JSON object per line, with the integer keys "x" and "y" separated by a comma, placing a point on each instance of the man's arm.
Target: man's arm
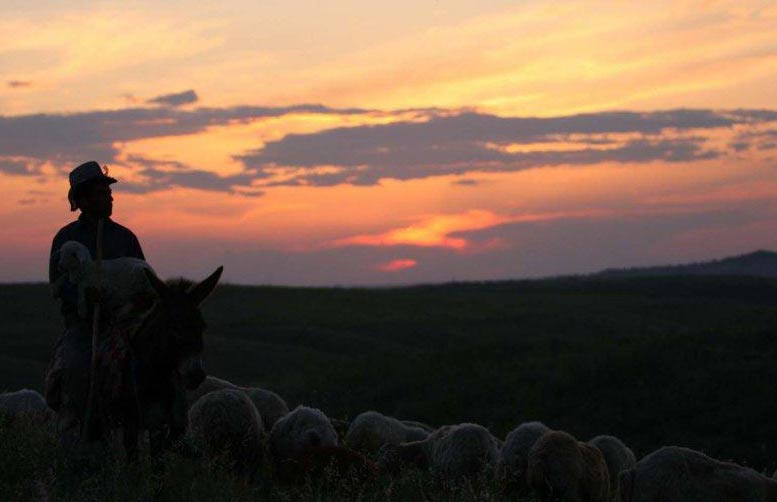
{"x": 135, "y": 251}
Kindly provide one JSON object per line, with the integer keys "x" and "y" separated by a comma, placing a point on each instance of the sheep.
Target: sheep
{"x": 618, "y": 458}
{"x": 514, "y": 455}
{"x": 452, "y": 453}
{"x": 270, "y": 405}
{"x": 207, "y": 386}
{"x": 465, "y": 451}
{"x": 298, "y": 432}
{"x": 225, "y": 424}
{"x": 371, "y": 430}
{"x": 25, "y": 403}
{"x": 123, "y": 281}
{"x": 419, "y": 425}
{"x": 563, "y": 468}
{"x": 676, "y": 474}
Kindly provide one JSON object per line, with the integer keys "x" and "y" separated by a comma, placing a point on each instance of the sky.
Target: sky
{"x": 364, "y": 143}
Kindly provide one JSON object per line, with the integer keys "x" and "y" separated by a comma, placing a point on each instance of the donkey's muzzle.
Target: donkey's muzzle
{"x": 194, "y": 378}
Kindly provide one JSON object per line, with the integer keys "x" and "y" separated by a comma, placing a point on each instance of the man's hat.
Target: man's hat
{"x": 88, "y": 171}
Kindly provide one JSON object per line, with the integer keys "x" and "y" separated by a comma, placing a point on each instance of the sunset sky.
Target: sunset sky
{"x": 351, "y": 142}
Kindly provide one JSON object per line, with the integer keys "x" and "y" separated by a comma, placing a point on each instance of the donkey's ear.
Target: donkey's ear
{"x": 201, "y": 291}
{"x": 159, "y": 286}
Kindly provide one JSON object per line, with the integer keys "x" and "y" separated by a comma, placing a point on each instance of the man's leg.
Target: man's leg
{"x": 67, "y": 381}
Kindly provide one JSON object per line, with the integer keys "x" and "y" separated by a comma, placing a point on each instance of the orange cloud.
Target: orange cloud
{"x": 439, "y": 230}
{"x": 397, "y": 265}
{"x": 433, "y": 231}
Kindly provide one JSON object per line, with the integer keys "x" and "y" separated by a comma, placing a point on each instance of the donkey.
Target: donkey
{"x": 163, "y": 359}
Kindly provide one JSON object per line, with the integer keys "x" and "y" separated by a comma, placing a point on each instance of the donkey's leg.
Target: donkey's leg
{"x": 157, "y": 441}
{"x": 130, "y": 433}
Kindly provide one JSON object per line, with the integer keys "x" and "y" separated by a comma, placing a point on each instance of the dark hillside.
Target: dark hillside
{"x": 655, "y": 360}
{"x": 757, "y": 264}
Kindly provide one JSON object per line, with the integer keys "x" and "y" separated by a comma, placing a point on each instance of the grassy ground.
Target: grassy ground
{"x": 655, "y": 361}
{"x": 33, "y": 467}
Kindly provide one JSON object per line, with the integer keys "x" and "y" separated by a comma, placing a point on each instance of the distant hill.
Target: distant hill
{"x": 757, "y": 264}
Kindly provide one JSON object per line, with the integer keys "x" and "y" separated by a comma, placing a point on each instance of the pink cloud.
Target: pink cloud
{"x": 397, "y": 265}
{"x": 431, "y": 231}
{"x": 443, "y": 231}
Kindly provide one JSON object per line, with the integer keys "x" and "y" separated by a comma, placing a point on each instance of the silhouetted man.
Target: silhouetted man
{"x": 90, "y": 192}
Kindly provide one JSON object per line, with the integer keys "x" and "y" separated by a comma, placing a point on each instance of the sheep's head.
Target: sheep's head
{"x": 73, "y": 258}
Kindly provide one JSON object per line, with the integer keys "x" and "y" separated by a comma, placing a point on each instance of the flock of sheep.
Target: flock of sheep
{"x": 250, "y": 426}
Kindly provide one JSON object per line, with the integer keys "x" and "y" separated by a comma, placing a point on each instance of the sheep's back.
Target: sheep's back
{"x": 371, "y": 430}
{"x": 25, "y": 403}
{"x": 271, "y": 406}
{"x": 675, "y": 474}
{"x": 226, "y": 422}
{"x": 465, "y": 450}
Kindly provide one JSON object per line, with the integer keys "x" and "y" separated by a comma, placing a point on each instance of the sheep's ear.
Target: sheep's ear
{"x": 201, "y": 291}
{"x": 159, "y": 286}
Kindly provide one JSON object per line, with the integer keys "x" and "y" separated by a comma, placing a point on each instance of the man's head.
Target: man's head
{"x": 90, "y": 190}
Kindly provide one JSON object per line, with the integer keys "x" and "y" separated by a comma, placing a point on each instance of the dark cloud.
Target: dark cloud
{"x": 443, "y": 142}
{"x": 75, "y": 137}
{"x": 15, "y": 84}
{"x": 162, "y": 175}
{"x": 466, "y": 182}
{"x": 458, "y": 144}
{"x": 176, "y": 99}
{"x": 9, "y": 166}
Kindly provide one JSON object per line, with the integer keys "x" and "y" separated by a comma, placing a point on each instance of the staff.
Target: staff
{"x": 87, "y": 427}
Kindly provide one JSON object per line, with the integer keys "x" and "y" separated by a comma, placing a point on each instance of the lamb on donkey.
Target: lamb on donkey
{"x": 675, "y": 474}
{"x": 225, "y": 425}
{"x": 371, "y": 430}
{"x": 123, "y": 282}
{"x": 563, "y": 468}
{"x": 618, "y": 458}
{"x": 514, "y": 455}
{"x": 452, "y": 453}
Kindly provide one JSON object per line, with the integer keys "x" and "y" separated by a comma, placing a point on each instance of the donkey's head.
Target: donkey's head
{"x": 184, "y": 325}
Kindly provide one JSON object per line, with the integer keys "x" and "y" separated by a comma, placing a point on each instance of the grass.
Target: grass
{"x": 655, "y": 361}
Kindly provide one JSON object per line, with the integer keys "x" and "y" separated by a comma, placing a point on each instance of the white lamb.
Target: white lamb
{"x": 371, "y": 430}
{"x": 225, "y": 424}
{"x": 270, "y": 405}
{"x": 514, "y": 456}
{"x": 450, "y": 452}
{"x": 300, "y": 431}
{"x": 123, "y": 279}
{"x": 25, "y": 403}
{"x": 676, "y": 474}
{"x": 618, "y": 458}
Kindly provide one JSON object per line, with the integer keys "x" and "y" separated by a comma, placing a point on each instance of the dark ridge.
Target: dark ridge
{"x": 761, "y": 263}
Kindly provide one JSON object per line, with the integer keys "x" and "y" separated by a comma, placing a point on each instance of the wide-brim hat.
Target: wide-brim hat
{"x": 86, "y": 172}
